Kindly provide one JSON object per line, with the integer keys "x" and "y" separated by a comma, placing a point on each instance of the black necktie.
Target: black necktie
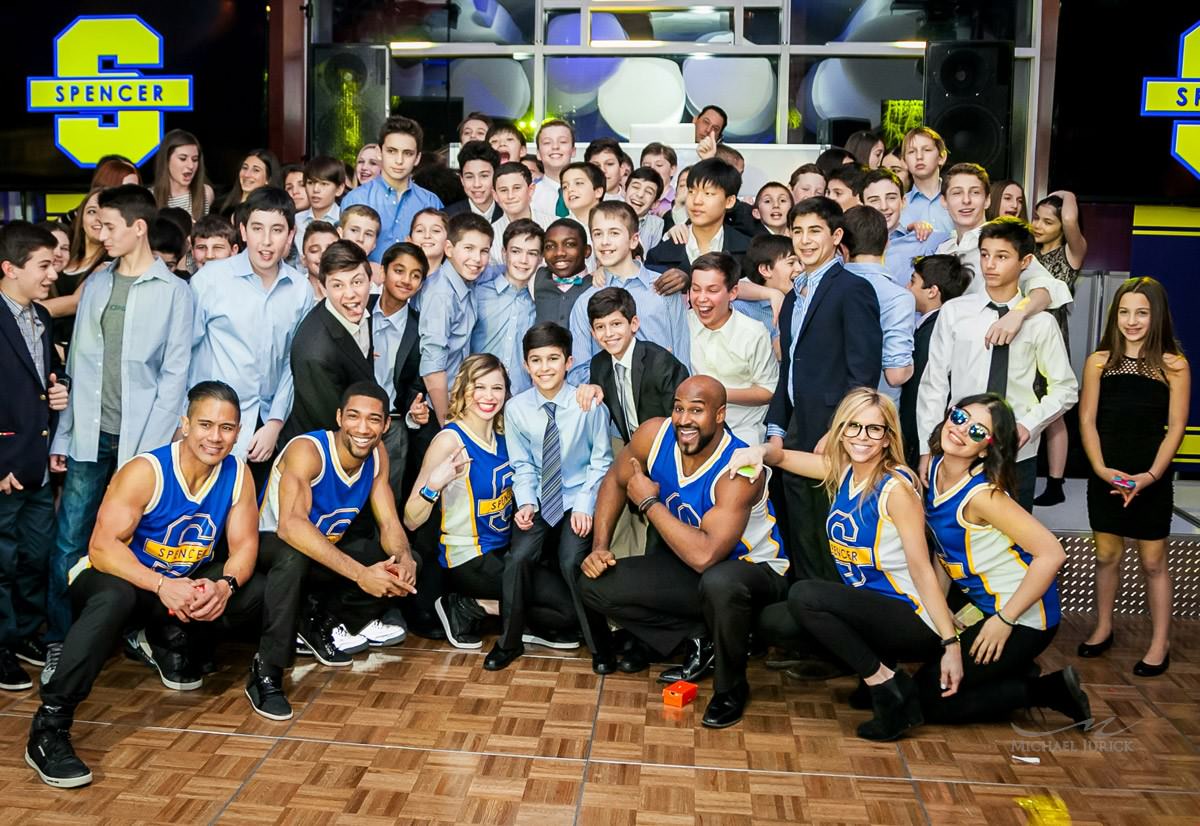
{"x": 998, "y": 372}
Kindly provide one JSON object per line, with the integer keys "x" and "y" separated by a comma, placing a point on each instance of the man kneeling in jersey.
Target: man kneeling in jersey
{"x": 713, "y": 557}
{"x": 318, "y": 485}
{"x": 150, "y": 559}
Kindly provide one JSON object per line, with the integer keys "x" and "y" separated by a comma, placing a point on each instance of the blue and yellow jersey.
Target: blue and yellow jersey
{"x": 690, "y": 497}
{"x": 865, "y": 544}
{"x": 477, "y": 509}
{"x": 337, "y": 496}
{"x": 984, "y": 562}
{"x": 178, "y": 529}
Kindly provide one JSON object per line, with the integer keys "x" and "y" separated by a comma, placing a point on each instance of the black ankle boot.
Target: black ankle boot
{"x": 860, "y": 697}
{"x": 1052, "y": 495}
{"x": 1062, "y": 692}
{"x": 897, "y": 709}
{"x": 50, "y": 753}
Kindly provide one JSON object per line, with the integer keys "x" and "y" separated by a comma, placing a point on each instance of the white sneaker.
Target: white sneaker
{"x": 349, "y": 643}
{"x": 379, "y": 633}
{"x": 550, "y": 641}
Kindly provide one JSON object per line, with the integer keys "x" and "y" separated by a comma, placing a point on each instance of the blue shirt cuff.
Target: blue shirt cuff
{"x": 775, "y": 430}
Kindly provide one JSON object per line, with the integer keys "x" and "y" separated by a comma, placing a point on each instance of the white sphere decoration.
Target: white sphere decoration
{"x": 743, "y": 86}
{"x": 498, "y": 87}
{"x": 643, "y": 90}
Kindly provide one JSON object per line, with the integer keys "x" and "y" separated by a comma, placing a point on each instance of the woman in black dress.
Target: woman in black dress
{"x": 1132, "y": 414}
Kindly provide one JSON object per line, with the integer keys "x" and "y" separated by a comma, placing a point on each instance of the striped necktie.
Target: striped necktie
{"x": 552, "y": 502}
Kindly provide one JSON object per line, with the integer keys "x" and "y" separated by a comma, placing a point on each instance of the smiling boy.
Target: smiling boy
{"x": 505, "y": 304}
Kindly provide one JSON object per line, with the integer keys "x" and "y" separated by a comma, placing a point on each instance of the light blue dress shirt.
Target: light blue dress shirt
{"x": 505, "y": 314}
{"x": 386, "y": 334}
{"x": 396, "y": 210}
{"x": 155, "y": 352}
{"x": 305, "y": 217}
{"x": 448, "y": 317}
{"x": 897, "y": 315}
{"x": 919, "y": 207}
{"x": 243, "y": 336}
{"x": 586, "y": 447}
{"x": 663, "y": 321}
{"x": 903, "y": 247}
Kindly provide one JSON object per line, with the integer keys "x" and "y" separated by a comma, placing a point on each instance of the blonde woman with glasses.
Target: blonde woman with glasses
{"x": 889, "y": 606}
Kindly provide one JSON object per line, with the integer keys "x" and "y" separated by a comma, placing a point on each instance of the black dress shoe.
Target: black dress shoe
{"x": 699, "y": 663}
{"x": 860, "y": 697}
{"x": 603, "y": 664}
{"x": 634, "y": 659}
{"x": 897, "y": 709}
{"x": 499, "y": 658}
{"x": 726, "y": 707}
{"x": 1088, "y": 650}
{"x": 1143, "y": 670}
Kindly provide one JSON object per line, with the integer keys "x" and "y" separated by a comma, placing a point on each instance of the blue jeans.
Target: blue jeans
{"x": 81, "y": 497}
{"x": 26, "y": 540}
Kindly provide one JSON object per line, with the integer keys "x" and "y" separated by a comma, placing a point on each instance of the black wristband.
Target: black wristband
{"x": 949, "y": 641}
{"x": 647, "y": 503}
{"x": 231, "y": 580}
{"x": 1005, "y": 620}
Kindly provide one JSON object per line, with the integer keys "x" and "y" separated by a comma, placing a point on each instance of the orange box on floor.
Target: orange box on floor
{"x": 679, "y": 693}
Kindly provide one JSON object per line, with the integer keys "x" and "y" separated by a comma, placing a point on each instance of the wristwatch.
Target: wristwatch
{"x": 233, "y": 583}
{"x": 429, "y": 494}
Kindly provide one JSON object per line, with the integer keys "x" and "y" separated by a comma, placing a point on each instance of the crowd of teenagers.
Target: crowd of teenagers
{"x": 587, "y": 403}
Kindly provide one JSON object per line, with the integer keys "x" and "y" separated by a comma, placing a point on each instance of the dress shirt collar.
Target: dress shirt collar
{"x": 914, "y": 193}
{"x": 157, "y": 270}
{"x": 240, "y": 265}
{"x": 457, "y": 283}
{"x": 969, "y": 240}
{"x": 484, "y": 213}
{"x": 806, "y": 278}
{"x": 644, "y": 275}
{"x": 351, "y": 328}
{"x": 17, "y": 310}
{"x": 626, "y": 360}
{"x": 864, "y": 268}
{"x": 692, "y": 246}
{"x": 561, "y": 399}
{"x": 987, "y": 299}
{"x": 396, "y": 319}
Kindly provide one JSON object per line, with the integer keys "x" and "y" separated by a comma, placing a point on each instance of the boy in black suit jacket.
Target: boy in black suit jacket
{"x": 935, "y": 280}
{"x": 637, "y": 380}
{"x": 713, "y": 186}
{"x": 33, "y": 395}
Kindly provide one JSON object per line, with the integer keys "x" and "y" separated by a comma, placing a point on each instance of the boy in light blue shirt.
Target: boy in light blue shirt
{"x": 324, "y": 182}
{"x": 505, "y": 302}
{"x": 559, "y": 454}
{"x": 865, "y": 237}
{"x": 448, "y": 311}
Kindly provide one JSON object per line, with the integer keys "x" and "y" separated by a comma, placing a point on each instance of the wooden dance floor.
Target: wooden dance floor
{"x": 423, "y": 735}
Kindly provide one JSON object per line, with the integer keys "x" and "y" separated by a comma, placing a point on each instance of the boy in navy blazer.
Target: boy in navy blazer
{"x": 35, "y": 390}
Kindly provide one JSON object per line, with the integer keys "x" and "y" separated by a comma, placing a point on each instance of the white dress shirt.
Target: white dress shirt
{"x": 1032, "y": 277}
{"x": 959, "y": 363}
{"x": 739, "y": 355}
{"x": 692, "y": 247}
{"x": 360, "y": 332}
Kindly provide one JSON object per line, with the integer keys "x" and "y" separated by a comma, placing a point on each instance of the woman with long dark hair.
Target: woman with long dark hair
{"x": 179, "y": 178}
{"x": 1003, "y": 561}
{"x": 1133, "y": 411}
{"x": 259, "y": 168}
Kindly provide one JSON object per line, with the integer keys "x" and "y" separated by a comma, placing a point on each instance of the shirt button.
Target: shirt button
{"x": 42, "y": 397}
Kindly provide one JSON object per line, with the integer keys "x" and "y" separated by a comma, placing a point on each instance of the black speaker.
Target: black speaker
{"x": 968, "y": 101}
{"x": 349, "y": 98}
{"x": 836, "y": 131}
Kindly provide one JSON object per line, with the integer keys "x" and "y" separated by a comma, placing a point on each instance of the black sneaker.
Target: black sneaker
{"x": 51, "y": 754}
{"x": 460, "y": 618}
{"x": 265, "y": 693}
{"x": 53, "y": 655}
{"x": 32, "y": 651}
{"x": 317, "y": 632}
{"x": 12, "y": 676}
{"x": 173, "y": 667}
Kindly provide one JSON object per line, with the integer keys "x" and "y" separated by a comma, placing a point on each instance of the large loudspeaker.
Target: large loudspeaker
{"x": 968, "y": 101}
{"x": 350, "y": 98}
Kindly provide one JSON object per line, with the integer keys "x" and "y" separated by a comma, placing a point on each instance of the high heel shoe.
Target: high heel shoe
{"x": 1143, "y": 670}
{"x": 897, "y": 709}
{"x": 1095, "y": 650}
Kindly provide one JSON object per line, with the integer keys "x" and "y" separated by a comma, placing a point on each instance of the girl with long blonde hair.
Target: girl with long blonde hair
{"x": 889, "y": 605}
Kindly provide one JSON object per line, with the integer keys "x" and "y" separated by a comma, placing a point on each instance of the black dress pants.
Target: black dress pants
{"x": 663, "y": 602}
{"x": 526, "y": 574}
{"x": 863, "y": 628}
{"x": 105, "y": 604}
{"x": 548, "y": 603}
{"x": 806, "y": 509}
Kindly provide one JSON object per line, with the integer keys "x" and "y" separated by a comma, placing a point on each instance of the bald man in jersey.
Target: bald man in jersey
{"x": 713, "y": 557}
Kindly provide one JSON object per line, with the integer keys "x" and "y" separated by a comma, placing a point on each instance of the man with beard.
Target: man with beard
{"x": 318, "y": 485}
{"x": 694, "y": 585}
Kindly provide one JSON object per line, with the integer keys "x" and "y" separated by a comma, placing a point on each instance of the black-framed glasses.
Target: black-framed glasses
{"x": 977, "y": 432}
{"x": 875, "y": 432}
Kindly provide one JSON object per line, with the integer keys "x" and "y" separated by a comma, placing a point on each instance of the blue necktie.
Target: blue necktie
{"x": 552, "y": 503}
